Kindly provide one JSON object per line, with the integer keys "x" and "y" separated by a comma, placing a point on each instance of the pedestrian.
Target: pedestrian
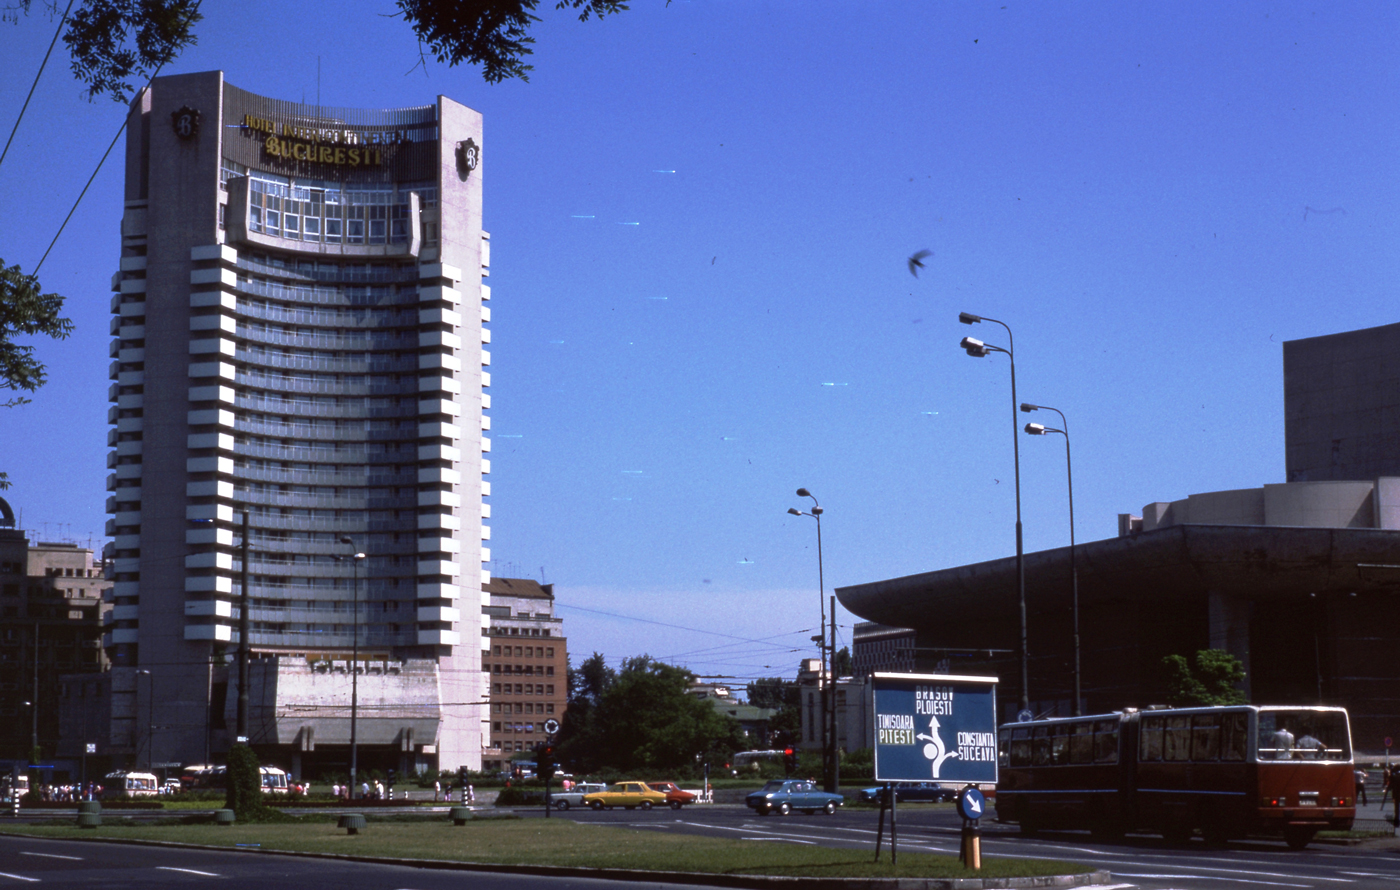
{"x": 437, "y": 791}
{"x": 1394, "y": 795}
{"x": 378, "y": 790}
{"x": 471, "y": 795}
{"x": 1361, "y": 786}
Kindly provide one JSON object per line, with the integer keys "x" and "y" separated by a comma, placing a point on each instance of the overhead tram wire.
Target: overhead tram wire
{"x": 169, "y": 54}
{"x": 33, "y": 86}
{"x": 713, "y": 633}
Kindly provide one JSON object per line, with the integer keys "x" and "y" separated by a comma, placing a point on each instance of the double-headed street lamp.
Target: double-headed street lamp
{"x": 1037, "y": 429}
{"x": 828, "y": 696}
{"x": 354, "y": 671}
{"x": 977, "y": 349}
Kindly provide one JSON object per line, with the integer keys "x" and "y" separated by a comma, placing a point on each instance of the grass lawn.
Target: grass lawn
{"x": 558, "y": 842}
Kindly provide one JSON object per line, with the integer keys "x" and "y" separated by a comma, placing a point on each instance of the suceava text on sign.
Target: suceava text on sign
{"x": 933, "y": 701}
{"x": 980, "y": 746}
{"x": 896, "y": 729}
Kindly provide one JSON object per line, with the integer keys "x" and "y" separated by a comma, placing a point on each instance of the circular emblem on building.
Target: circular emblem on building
{"x": 185, "y": 122}
{"x": 468, "y": 157}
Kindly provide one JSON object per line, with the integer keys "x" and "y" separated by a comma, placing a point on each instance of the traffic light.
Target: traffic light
{"x": 790, "y": 760}
{"x": 544, "y": 761}
{"x": 391, "y": 778}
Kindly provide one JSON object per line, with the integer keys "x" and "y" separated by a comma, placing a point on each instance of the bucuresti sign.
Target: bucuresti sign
{"x": 343, "y": 148}
{"x": 935, "y": 727}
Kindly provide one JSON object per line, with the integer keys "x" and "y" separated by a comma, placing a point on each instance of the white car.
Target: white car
{"x": 562, "y": 800}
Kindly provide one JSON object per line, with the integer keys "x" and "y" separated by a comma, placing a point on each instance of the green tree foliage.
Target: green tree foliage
{"x": 112, "y": 42}
{"x": 25, "y": 311}
{"x": 245, "y": 785}
{"x": 841, "y": 665}
{"x": 490, "y": 33}
{"x": 641, "y": 717}
{"x": 785, "y": 727}
{"x": 1209, "y": 681}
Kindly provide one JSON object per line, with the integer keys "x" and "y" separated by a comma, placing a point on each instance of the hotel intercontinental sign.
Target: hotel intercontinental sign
{"x": 341, "y": 148}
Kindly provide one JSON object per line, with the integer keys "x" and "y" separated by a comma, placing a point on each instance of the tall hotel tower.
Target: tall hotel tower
{"x": 299, "y": 364}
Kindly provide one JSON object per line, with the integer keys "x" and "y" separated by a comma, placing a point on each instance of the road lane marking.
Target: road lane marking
{"x": 51, "y": 856}
{"x": 189, "y": 871}
{"x": 5, "y": 874}
{"x": 1238, "y": 880}
{"x": 778, "y": 840}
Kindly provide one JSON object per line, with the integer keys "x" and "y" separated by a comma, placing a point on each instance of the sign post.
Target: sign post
{"x": 940, "y": 728}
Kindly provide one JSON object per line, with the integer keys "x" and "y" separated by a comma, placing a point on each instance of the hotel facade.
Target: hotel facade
{"x": 300, "y": 355}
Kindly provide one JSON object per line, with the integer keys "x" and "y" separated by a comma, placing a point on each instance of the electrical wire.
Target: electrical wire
{"x": 42, "y": 65}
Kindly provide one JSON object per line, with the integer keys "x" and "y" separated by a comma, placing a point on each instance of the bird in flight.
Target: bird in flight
{"x": 916, "y": 262}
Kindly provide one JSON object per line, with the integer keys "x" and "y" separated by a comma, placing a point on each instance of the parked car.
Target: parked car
{"x": 674, "y": 795}
{"x": 910, "y": 791}
{"x": 562, "y": 800}
{"x": 629, "y": 795}
{"x": 782, "y": 796}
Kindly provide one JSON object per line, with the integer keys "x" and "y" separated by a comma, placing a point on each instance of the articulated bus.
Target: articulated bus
{"x": 215, "y": 778}
{"x": 1227, "y": 772}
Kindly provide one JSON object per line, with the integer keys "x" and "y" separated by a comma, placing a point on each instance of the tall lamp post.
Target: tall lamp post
{"x": 1037, "y": 429}
{"x": 354, "y": 674}
{"x": 244, "y": 609}
{"x": 977, "y": 349}
{"x": 150, "y": 719}
{"x": 827, "y": 696}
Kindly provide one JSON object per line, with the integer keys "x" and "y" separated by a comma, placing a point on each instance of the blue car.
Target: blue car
{"x": 909, "y": 791}
{"x": 782, "y": 796}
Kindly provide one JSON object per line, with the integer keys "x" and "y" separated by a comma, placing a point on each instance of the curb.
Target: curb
{"x": 761, "y": 882}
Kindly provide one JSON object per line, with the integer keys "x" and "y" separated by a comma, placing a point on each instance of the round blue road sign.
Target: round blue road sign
{"x": 971, "y": 803}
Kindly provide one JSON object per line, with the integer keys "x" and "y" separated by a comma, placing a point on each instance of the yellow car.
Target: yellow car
{"x": 629, "y": 795}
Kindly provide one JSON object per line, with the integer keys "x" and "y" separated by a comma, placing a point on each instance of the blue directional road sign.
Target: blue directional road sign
{"x": 935, "y": 727}
{"x": 971, "y": 804}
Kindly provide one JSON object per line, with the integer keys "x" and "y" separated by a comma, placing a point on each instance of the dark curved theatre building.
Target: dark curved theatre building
{"x": 1300, "y": 580}
{"x": 299, "y": 339}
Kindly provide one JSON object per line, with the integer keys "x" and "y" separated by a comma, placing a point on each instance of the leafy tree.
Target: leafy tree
{"x": 25, "y": 310}
{"x": 1210, "y": 681}
{"x": 245, "y": 785}
{"x": 785, "y": 727}
{"x": 112, "y": 43}
{"x": 490, "y": 33}
{"x": 841, "y": 664}
{"x": 642, "y": 717}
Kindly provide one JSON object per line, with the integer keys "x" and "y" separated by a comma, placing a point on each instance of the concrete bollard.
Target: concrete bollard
{"x": 460, "y": 815}
{"x": 351, "y": 822}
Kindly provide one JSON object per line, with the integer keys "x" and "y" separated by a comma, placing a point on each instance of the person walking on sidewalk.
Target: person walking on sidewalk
{"x": 1361, "y": 786}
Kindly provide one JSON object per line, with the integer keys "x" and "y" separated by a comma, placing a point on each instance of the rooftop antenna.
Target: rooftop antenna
{"x": 541, "y": 576}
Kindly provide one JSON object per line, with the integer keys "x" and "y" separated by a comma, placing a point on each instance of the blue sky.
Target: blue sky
{"x": 700, "y": 217}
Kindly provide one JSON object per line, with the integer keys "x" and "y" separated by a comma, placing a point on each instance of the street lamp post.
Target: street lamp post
{"x": 244, "y": 608}
{"x": 150, "y": 719}
{"x": 977, "y": 349}
{"x": 828, "y": 698}
{"x": 1036, "y": 429}
{"x": 354, "y": 674}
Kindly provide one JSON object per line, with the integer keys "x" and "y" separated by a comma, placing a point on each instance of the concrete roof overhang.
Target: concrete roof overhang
{"x": 1248, "y": 561}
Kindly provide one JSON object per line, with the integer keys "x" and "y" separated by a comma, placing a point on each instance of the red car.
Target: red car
{"x": 675, "y": 797}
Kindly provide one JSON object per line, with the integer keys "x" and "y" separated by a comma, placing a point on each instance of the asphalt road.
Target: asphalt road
{"x": 59, "y": 865}
{"x": 1144, "y": 861}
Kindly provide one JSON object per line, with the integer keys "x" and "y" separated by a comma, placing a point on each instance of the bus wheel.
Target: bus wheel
{"x": 1177, "y": 834}
{"x": 1298, "y": 837}
{"x": 1215, "y": 834}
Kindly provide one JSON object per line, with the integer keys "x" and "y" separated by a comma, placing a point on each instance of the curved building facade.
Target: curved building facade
{"x": 300, "y": 344}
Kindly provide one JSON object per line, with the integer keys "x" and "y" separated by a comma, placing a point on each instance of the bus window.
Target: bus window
{"x": 1234, "y": 736}
{"x": 1304, "y": 735}
{"x": 1020, "y": 747}
{"x": 1176, "y": 740}
{"x": 1081, "y": 743}
{"x": 1004, "y": 747}
{"x": 1205, "y": 737}
{"x": 1040, "y": 747}
{"x": 1150, "y": 748}
{"x": 1059, "y": 745}
{"x": 1106, "y": 741}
